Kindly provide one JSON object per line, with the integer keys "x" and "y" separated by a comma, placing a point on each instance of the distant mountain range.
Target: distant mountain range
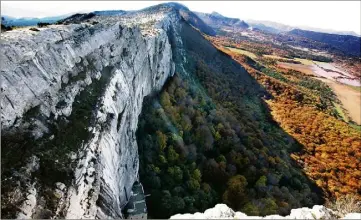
{"x": 11, "y": 21}
{"x": 269, "y": 26}
{"x": 216, "y": 21}
{"x": 110, "y": 12}
{"x": 345, "y": 43}
{"x": 274, "y": 27}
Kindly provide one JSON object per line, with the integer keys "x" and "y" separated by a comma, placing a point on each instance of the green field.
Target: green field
{"x": 244, "y": 52}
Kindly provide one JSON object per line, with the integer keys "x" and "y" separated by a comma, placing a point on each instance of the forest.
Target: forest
{"x": 195, "y": 153}
{"x": 303, "y": 106}
{"x": 260, "y": 140}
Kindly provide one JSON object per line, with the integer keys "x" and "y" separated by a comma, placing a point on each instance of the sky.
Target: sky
{"x": 333, "y": 15}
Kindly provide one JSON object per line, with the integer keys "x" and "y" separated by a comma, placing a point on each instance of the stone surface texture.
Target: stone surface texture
{"x": 37, "y": 68}
{"x": 222, "y": 211}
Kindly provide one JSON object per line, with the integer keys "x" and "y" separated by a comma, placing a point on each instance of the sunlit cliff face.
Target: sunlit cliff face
{"x": 74, "y": 93}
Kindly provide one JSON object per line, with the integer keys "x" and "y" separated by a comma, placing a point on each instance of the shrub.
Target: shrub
{"x": 43, "y": 24}
{"x": 345, "y": 204}
{"x": 34, "y": 29}
{"x": 5, "y": 28}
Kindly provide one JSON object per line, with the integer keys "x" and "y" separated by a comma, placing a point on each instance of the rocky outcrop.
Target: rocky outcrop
{"x": 222, "y": 211}
{"x": 48, "y": 70}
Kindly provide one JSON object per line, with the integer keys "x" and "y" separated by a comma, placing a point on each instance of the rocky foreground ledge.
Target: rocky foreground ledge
{"x": 222, "y": 211}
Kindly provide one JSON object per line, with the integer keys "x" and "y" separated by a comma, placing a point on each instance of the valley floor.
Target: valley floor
{"x": 350, "y": 98}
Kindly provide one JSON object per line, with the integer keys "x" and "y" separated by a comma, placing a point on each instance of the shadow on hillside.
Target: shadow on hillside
{"x": 230, "y": 86}
{"x": 249, "y": 90}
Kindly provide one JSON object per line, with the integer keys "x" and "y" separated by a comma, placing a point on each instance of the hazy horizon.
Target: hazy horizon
{"x": 295, "y": 13}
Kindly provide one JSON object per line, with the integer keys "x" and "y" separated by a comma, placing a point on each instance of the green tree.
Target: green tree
{"x": 217, "y": 136}
{"x": 193, "y": 184}
{"x": 166, "y": 200}
{"x": 189, "y": 202}
{"x": 172, "y": 154}
{"x": 178, "y": 204}
{"x": 162, "y": 159}
{"x": 180, "y": 93}
{"x": 165, "y": 99}
{"x": 235, "y": 193}
{"x": 261, "y": 182}
{"x": 154, "y": 168}
{"x": 269, "y": 207}
{"x": 176, "y": 173}
{"x": 162, "y": 140}
{"x": 206, "y": 187}
{"x": 197, "y": 175}
{"x": 186, "y": 123}
{"x": 250, "y": 209}
{"x": 221, "y": 158}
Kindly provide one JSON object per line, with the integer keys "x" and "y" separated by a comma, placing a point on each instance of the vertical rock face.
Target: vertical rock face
{"x": 49, "y": 69}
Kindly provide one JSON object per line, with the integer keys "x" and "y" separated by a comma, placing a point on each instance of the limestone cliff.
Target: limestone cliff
{"x": 47, "y": 76}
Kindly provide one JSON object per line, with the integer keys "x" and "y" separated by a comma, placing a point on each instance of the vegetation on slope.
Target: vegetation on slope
{"x": 208, "y": 137}
{"x": 195, "y": 153}
{"x": 331, "y": 153}
{"x": 244, "y": 138}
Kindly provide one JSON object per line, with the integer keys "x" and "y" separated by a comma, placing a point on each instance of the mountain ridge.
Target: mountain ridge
{"x": 218, "y": 21}
{"x": 276, "y": 27}
{"x": 10, "y": 21}
{"x": 346, "y": 43}
{"x": 72, "y": 108}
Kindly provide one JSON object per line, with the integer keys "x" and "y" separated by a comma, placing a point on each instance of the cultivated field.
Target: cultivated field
{"x": 244, "y": 52}
{"x": 299, "y": 67}
{"x": 349, "y": 97}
